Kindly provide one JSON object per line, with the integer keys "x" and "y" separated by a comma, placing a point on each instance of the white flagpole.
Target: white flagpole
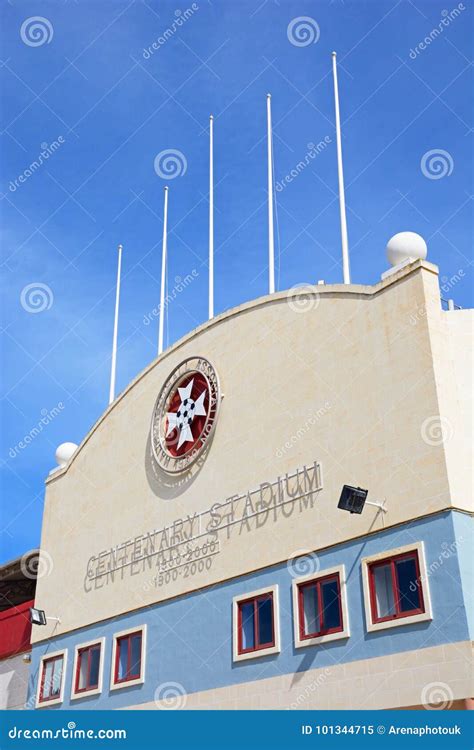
{"x": 114, "y": 340}
{"x": 211, "y": 217}
{"x": 163, "y": 273}
{"x": 340, "y": 173}
{"x": 271, "y": 244}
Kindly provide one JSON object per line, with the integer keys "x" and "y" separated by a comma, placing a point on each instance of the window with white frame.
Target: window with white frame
{"x": 320, "y": 607}
{"x": 396, "y": 590}
{"x": 256, "y": 630}
{"x": 128, "y": 658}
{"x": 51, "y": 679}
{"x": 88, "y": 668}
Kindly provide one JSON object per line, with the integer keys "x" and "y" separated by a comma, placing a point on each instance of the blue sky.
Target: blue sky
{"x": 84, "y": 82}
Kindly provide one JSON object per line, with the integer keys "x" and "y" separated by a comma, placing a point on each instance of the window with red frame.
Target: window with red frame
{"x": 51, "y": 678}
{"x": 128, "y": 657}
{"x": 395, "y": 587}
{"x": 319, "y": 607}
{"x": 256, "y": 629}
{"x": 87, "y": 669}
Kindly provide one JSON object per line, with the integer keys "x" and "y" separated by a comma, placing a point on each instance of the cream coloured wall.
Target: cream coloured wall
{"x": 347, "y": 379}
{"x": 428, "y": 677}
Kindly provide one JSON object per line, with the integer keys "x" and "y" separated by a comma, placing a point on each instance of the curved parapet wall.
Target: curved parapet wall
{"x": 318, "y": 389}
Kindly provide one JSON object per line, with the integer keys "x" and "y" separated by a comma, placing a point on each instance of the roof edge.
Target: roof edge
{"x": 321, "y": 290}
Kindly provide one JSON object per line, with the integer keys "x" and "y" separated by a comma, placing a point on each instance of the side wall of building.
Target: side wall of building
{"x": 459, "y": 416}
{"x": 14, "y": 677}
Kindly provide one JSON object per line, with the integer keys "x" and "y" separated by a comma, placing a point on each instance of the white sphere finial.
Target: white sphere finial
{"x": 64, "y": 453}
{"x": 406, "y": 246}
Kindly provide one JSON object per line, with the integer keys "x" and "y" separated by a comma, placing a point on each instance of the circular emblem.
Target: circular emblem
{"x": 185, "y": 414}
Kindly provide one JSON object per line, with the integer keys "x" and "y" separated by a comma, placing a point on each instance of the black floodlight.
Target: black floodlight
{"x": 38, "y": 616}
{"x": 352, "y": 499}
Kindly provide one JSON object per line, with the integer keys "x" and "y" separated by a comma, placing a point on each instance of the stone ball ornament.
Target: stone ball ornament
{"x": 185, "y": 415}
{"x": 406, "y": 246}
{"x": 64, "y": 453}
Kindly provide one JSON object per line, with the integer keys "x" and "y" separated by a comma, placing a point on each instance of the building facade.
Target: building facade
{"x": 200, "y": 559}
{"x": 17, "y": 593}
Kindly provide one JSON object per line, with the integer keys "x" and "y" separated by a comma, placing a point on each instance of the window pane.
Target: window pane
{"x": 136, "y": 655}
{"x": 310, "y": 610}
{"x": 265, "y": 620}
{"x": 383, "y": 590}
{"x": 331, "y": 611}
{"x": 408, "y": 585}
{"x": 248, "y": 625}
{"x": 122, "y": 658}
{"x": 94, "y": 668}
{"x": 47, "y": 681}
{"x": 57, "y": 672}
{"x": 82, "y": 670}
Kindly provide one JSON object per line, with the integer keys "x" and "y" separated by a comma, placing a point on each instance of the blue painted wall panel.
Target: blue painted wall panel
{"x": 464, "y": 550}
{"x": 190, "y": 638}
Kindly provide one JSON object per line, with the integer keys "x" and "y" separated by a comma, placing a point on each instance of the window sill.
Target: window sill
{"x": 127, "y": 683}
{"x": 258, "y": 653}
{"x": 86, "y": 693}
{"x": 47, "y": 703}
{"x": 319, "y": 639}
{"x": 398, "y": 622}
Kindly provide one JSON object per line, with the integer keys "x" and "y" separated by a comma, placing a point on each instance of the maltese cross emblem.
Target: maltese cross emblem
{"x": 182, "y": 419}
